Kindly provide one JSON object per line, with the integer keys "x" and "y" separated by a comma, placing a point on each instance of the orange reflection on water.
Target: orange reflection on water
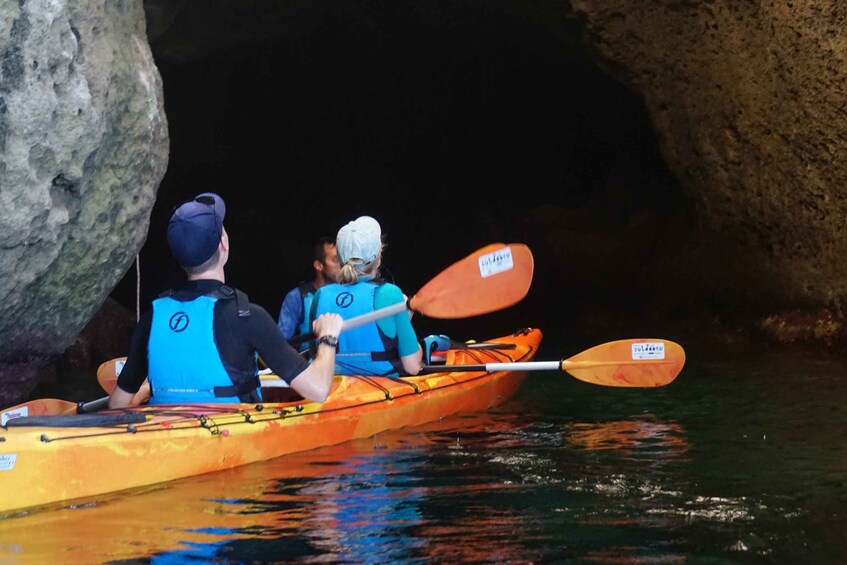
{"x": 208, "y": 509}
{"x": 378, "y": 507}
{"x": 348, "y": 502}
{"x": 650, "y": 440}
{"x": 628, "y": 435}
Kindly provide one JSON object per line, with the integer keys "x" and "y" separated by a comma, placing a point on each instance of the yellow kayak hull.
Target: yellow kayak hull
{"x": 48, "y": 464}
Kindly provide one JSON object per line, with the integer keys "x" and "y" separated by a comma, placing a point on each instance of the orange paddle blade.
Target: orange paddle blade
{"x": 107, "y": 373}
{"x": 107, "y": 376}
{"x": 490, "y": 279}
{"x": 643, "y": 362}
{"x": 38, "y": 407}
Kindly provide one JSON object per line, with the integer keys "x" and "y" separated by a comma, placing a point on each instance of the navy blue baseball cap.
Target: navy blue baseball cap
{"x": 195, "y": 229}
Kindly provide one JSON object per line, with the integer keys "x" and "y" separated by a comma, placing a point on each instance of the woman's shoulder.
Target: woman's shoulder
{"x": 390, "y": 291}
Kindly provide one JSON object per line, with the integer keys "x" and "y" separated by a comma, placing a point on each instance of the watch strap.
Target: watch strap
{"x": 330, "y": 340}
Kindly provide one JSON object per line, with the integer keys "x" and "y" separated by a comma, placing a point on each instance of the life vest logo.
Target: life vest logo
{"x": 178, "y": 322}
{"x": 344, "y": 300}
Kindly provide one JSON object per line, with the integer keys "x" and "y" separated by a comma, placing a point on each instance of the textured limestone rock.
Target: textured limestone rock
{"x": 748, "y": 102}
{"x": 83, "y": 148}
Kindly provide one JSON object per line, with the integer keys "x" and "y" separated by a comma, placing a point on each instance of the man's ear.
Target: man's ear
{"x": 318, "y": 265}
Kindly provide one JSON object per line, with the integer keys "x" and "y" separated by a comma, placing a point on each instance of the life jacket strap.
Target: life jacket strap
{"x": 245, "y": 387}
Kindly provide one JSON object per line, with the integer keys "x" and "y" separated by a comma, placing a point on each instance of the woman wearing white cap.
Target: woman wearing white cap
{"x": 386, "y": 347}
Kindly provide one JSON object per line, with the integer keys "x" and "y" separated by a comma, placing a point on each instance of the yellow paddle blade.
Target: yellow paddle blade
{"x": 645, "y": 362}
{"x": 490, "y": 279}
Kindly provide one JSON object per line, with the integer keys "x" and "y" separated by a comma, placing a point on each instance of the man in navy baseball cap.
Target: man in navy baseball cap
{"x": 201, "y": 341}
{"x": 195, "y": 229}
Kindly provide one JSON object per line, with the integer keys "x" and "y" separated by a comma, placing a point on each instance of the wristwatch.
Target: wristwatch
{"x": 330, "y": 340}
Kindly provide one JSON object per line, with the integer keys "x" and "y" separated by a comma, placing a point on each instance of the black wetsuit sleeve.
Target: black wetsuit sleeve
{"x": 237, "y": 338}
{"x": 262, "y": 332}
{"x": 135, "y": 370}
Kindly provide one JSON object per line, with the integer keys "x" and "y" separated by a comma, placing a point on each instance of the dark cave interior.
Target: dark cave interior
{"x": 483, "y": 127}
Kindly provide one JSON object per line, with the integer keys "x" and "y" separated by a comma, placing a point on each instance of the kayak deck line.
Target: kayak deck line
{"x": 46, "y": 465}
{"x": 139, "y": 415}
{"x": 202, "y": 418}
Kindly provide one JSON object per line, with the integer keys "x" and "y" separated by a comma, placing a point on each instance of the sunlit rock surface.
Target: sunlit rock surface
{"x": 83, "y": 147}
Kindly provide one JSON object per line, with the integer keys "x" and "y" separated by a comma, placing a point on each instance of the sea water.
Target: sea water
{"x": 742, "y": 459}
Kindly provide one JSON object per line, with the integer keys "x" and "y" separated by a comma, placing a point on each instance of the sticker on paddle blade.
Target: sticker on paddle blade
{"x": 17, "y": 413}
{"x": 119, "y": 366}
{"x": 496, "y": 262}
{"x": 648, "y": 351}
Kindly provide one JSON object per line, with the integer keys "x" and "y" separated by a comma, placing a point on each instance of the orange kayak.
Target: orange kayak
{"x": 54, "y": 459}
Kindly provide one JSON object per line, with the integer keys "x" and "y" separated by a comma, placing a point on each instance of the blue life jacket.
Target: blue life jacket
{"x": 307, "y": 294}
{"x": 184, "y": 364}
{"x": 365, "y": 350}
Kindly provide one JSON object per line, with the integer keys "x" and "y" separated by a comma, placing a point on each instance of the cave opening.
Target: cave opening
{"x": 481, "y": 125}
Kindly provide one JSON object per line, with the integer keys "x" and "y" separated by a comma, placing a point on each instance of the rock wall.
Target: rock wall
{"x": 747, "y": 99}
{"x": 83, "y": 147}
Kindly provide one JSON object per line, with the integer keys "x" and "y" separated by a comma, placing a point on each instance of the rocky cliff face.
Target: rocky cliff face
{"x": 83, "y": 147}
{"x": 746, "y": 101}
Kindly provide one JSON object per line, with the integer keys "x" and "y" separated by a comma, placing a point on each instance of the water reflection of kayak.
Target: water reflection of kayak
{"x": 319, "y": 502}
